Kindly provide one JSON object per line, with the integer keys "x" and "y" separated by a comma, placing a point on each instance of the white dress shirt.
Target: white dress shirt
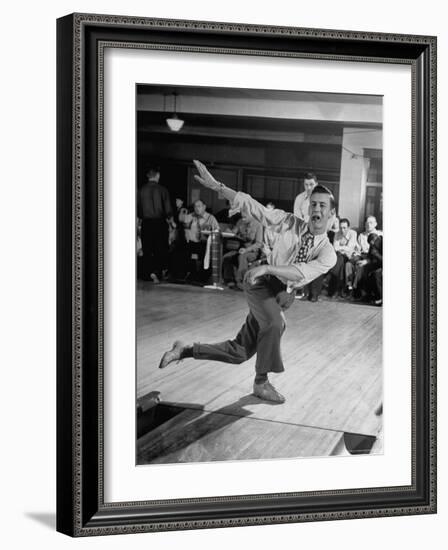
{"x": 285, "y": 246}
{"x": 301, "y": 206}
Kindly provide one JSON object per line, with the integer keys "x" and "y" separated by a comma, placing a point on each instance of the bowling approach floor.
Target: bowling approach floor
{"x": 332, "y": 351}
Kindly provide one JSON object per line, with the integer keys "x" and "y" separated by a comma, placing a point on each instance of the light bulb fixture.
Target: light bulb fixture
{"x": 174, "y": 122}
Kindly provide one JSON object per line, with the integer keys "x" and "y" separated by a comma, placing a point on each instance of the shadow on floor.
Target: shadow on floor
{"x": 190, "y": 426}
{"x": 48, "y": 519}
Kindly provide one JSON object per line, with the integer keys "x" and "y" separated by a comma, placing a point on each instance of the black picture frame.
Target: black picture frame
{"x": 81, "y": 510}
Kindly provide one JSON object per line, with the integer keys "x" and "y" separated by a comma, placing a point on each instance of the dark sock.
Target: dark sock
{"x": 261, "y": 378}
{"x": 186, "y": 352}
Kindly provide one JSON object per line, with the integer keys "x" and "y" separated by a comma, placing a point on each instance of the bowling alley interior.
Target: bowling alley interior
{"x": 194, "y": 249}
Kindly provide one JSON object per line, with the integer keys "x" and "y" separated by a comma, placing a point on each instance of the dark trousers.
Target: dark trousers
{"x": 378, "y": 278}
{"x": 315, "y": 287}
{"x": 154, "y": 237}
{"x": 260, "y": 334}
{"x": 375, "y": 282}
{"x": 178, "y": 259}
{"x": 336, "y": 281}
{"x": 196, "y": 254}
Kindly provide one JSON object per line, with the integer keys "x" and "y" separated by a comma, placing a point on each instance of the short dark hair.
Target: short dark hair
{"x": 200, "y": 200}
{"x": 325, "y": 191}
{"x": 345, "y": 220}
{"x": 310, "y": 176}
{"x": 152, "y": 170}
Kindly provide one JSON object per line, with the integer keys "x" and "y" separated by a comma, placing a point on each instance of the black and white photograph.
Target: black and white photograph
{"x": 259, "y": 274}
{"x": 201, "y": 347}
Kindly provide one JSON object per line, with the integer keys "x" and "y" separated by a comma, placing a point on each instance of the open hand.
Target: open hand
{"x": 205, "y": 178}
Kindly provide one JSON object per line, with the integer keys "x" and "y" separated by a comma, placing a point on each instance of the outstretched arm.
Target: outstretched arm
{"x": 207, "y": 180}
{"x": 288, "y": 272}
{"x": 242, "y": 201}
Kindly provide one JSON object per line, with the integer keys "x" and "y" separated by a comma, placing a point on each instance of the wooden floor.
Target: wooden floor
{"x": 332, "y": 352}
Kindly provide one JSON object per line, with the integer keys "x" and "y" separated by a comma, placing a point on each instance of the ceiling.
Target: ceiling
{"x": 311, "y": 117}
{"x": 244, "y": 93}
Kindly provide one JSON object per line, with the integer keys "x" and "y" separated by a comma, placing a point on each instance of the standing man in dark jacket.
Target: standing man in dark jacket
{"x": 154, "y": 210}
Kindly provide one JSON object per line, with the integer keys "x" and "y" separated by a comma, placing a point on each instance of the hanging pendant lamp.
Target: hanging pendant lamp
{"x": 174, "y": 122}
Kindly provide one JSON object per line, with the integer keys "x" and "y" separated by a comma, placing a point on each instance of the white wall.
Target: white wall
{"x": 301, "y": 107}
{"x": 354, "y": 171}
{"x": 27, "y": 226}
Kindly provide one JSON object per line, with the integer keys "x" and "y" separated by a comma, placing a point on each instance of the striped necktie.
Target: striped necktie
{"x": 305, "y": 247}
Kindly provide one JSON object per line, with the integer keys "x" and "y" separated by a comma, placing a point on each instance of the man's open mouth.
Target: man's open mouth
{"x": 315, "y": 218}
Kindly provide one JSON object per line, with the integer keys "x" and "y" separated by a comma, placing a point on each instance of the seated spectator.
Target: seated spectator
{"x": 345, "y": 239}
{"x": 344, "y": 243}
{"x": 371, "y": 226}
{"x": 196, "y": 223}
{"x": 353, "y": 268}
{"x": 372, "y": 281}
{"x": 236, "y": 262}
{"x": 229, "y": 243}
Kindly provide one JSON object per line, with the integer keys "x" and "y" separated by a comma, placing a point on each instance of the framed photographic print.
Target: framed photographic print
{"x": 235, "y": 344}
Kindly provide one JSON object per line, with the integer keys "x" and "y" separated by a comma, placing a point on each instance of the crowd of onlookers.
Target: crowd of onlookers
{"x": 174, "y": 244}
{"x": 358, "y": 271}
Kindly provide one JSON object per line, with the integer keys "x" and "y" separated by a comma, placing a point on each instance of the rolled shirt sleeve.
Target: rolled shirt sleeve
{"x": 325, "y": 260}
{"x": 283, "y": 249}
{"x": 246, "y": 204}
